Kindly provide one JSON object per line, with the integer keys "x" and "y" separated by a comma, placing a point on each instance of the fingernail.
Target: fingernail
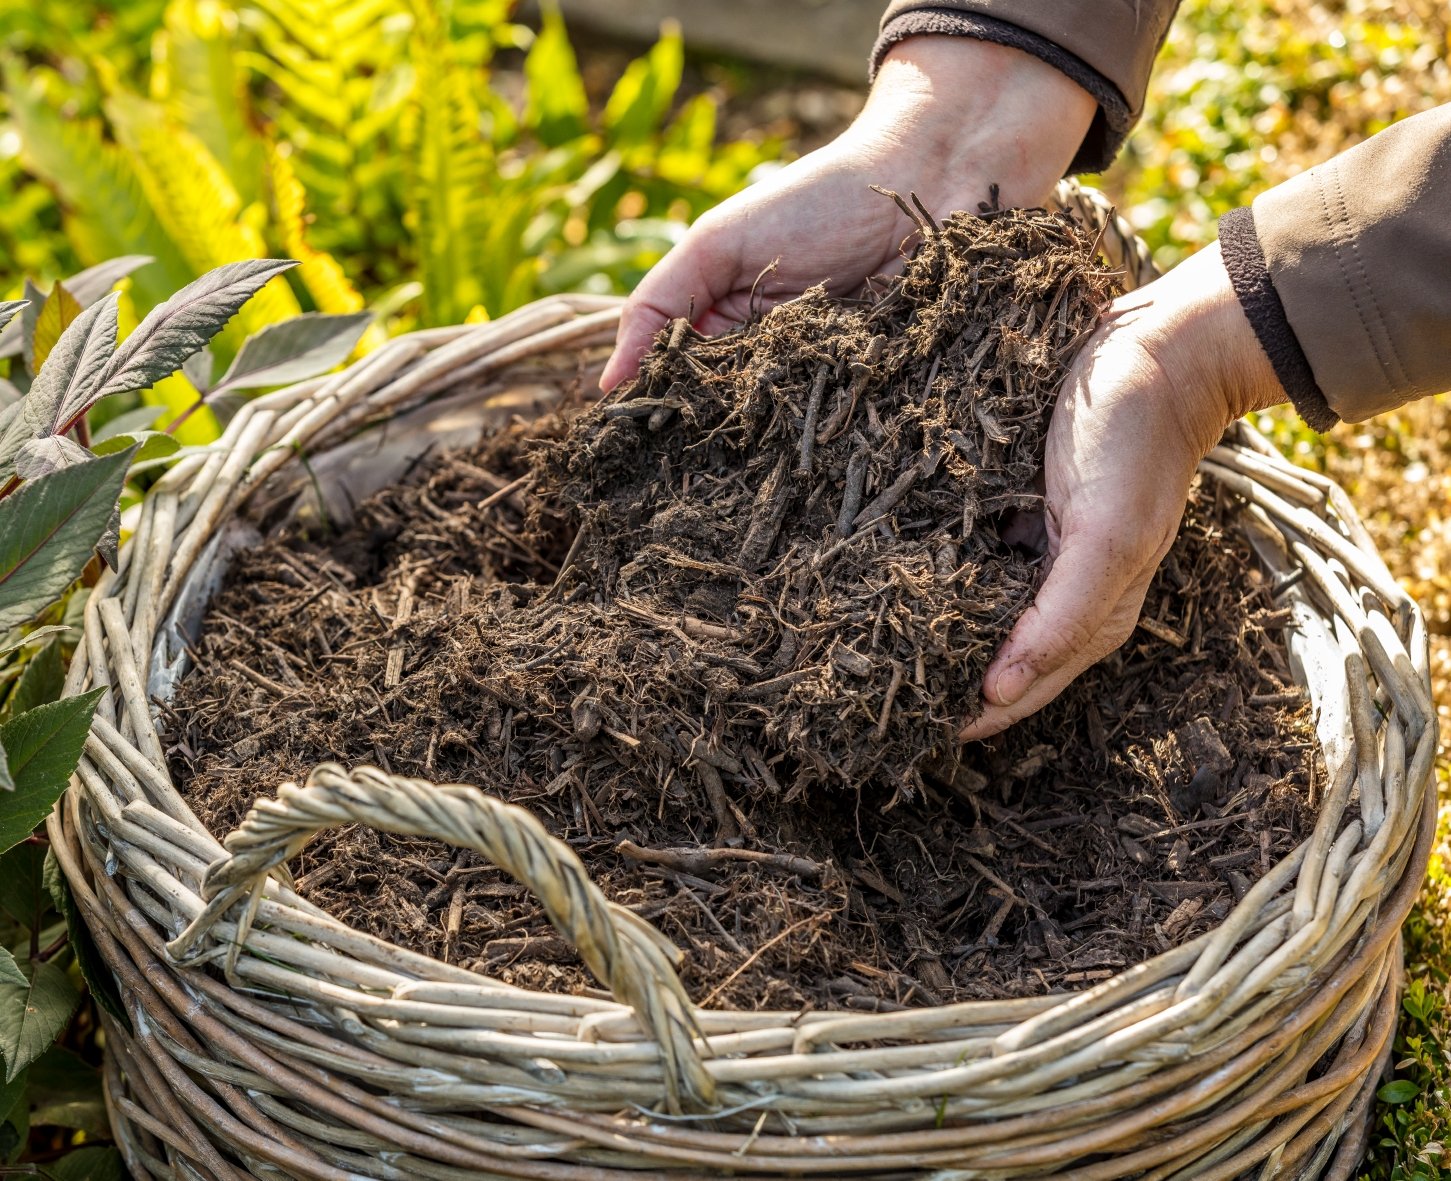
{"x": 1012, "y": 683}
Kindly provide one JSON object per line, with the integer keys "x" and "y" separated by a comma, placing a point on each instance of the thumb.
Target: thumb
{"x": 696, "y": 274}
{"x": 1087, "y": 607}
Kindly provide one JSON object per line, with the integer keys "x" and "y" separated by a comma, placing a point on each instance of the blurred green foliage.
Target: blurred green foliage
{"x": 1245, "y": 95}
{"x": 370, "y": 139}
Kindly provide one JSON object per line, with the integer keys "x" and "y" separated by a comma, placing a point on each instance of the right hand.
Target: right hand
{"x": 1170, "y": 366}
{"x": 947, "y": 118}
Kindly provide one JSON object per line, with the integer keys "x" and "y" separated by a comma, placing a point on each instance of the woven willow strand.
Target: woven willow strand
{"x": 320, "y": 1052}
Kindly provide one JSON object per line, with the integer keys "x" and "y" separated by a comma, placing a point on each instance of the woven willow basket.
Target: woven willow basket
{"x": 268, "y": 1040}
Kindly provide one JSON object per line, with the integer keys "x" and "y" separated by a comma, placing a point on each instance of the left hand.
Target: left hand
{"x": 1169, "y": 368}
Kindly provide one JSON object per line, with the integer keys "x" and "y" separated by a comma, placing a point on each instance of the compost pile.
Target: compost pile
{"x": 719, "y": 632}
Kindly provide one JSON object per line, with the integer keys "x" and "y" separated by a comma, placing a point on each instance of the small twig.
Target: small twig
{"x": 886, "y": 715}
{"x": 705, "y": 860}
{"x": 1163, "y": 632}
{"x": 725, "y": 818}
{"x": 775, "y": 684}
{"x": 261, "y": 681}
{"x": 504, "y": 493}
{"x": 890, "y": 498}
{"x": 726, "y": 937}
{"x": 571, "y": 555}
{"x": 699, "y": 629}
{"x": 393, "y": 668}
{"x": 752, "y": 303}
{"x": 912, "y": 215}
{"x": 808, "y": 429}
{"x": 767, "y": 513}
{"x": 851, "y": 499}
{"x": 545, "y": 947}
{"x": 760, "y": 951}
{"x": 861, "y": 372}
{"x": 453, "y": 924}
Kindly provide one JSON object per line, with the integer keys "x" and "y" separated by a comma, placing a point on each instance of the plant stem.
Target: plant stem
{"x": 175, "y": 424}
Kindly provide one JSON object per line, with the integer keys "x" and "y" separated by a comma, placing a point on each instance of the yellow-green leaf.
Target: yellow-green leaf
{"x": 56, "y": 314}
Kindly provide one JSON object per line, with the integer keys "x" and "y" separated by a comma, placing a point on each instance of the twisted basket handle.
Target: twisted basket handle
{"x": 1120, "y": 245}
{"x": 627, "y": 954}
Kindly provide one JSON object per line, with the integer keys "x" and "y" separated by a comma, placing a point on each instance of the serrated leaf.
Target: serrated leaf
{"x": 86, "y": 286}
{"x": 93, "y": 282}
{"x": 150, "y": 445}
{"x": 128, "y": 422}
{"x": 10, "y": 974}
{"x": 29, "y": 314}
{"x": 294, "y": 350}
{"x": 199, "y": 368}
{"x": 9, "y": 308}
{"x": 65, "y": 1092}
{"x": 174, "y": 330}
{"x": 54, "y": 453}
{"x": 10, "y": 643}
{"x": 64, "y": 389}
{"x": 44, "y": 745}
{"x": 41, "y": 681}
{"x": 57, "y": 313}
{"x": 92, "y": 1162}
{"x": 32, "y": 1017}
{"x": 48, "y": 529}
{"x": 23, "y": 894}
{"x": 7, "y": 781}
{"x": 97, "y": 975}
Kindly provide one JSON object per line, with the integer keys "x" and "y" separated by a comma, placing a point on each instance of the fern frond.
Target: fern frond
{"x": 106, "y": 211}
{"x": 196, "y": 202}
{"x": 454, "y": 171}
{"x": 340, "y": 77}
{"x": 320, "y": 272}
{"x": 196, "y": 78}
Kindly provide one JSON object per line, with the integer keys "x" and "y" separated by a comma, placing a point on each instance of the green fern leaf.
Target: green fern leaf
{"x": 106, "y": 210}
{"x": 197, "y": 80}
{"x": 453, "y": 173}
{"x": 196, "y": 202}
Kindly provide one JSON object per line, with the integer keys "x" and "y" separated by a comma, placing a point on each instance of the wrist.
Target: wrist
{"x": 1196, "y": 328}
{"x": 978, "y": 114}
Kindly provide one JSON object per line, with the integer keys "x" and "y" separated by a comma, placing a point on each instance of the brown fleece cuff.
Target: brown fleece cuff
{"x": 1111, "y": 122}
{"x": 1239, "y": 245}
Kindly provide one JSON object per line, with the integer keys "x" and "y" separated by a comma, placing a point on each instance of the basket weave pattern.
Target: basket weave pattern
{"x": 268, "y": 1040}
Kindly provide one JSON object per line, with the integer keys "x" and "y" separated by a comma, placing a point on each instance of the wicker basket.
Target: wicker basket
{"x": 268, "y": 1040}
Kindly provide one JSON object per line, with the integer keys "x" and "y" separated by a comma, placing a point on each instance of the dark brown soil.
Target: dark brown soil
{"x": 718, "y": 633}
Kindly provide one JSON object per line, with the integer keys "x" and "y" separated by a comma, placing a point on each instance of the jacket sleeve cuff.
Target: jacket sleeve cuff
{"x": 1110, "y": 124}
{"x": 1244, "y": 259}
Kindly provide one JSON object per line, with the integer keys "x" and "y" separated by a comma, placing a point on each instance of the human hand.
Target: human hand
{"x": 947, "y": 118}
{"x": 1169, "y": 368}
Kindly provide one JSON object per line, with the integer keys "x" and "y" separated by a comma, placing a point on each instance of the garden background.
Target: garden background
{"x": 430, "y": 162}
